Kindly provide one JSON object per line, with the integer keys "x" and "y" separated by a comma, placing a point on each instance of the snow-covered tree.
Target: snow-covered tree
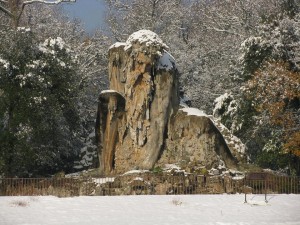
{"x": 15, "y": 8}
{"x": 161, "y": 16}
{"x": 91, "y": 57}
{"x": 38, "y": 111}
{"x": 275, "y": 93}
{"x": 268, "y": 100}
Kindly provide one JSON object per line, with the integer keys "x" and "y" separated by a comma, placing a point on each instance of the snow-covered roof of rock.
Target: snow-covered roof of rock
{"x": 110, "y": 91}
{"x": 193, "y": 112}
{"x": 117, "y": 45}
{"x": 166, "y": 62}
{"x": 107, "y": 93}
{"x": 149, "y": 38}
{"x": 135, "y": 172}
{"x": 146, "y": 37}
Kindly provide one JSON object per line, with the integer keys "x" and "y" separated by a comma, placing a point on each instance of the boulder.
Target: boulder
{"x": 193, "y": 137}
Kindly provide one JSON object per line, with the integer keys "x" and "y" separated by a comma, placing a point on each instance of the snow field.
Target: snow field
{"x": 151, "y": 210}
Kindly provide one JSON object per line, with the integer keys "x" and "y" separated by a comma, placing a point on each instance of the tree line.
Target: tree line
{"x": 238, "y": 60}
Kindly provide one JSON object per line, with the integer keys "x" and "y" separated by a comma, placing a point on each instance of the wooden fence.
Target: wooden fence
{"x": 150, "y": 184}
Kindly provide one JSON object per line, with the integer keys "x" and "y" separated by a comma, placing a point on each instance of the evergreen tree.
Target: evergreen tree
{"x": 38, "y": 110}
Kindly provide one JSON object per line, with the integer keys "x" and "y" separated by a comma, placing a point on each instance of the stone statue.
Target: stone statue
{"x": 140, "y": 122}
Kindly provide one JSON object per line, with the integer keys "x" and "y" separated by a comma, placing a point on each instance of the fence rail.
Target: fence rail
{"x": 270, "y": 183}
{"x": 150, "y": 184}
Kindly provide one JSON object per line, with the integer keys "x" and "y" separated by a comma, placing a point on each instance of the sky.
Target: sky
{"x": 151, "y": 210}
{"x": 90, "y": 12}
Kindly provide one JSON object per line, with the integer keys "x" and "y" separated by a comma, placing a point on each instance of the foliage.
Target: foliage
{"x": 157, "y": 169}
{"x": 271, "y": 155}
{"x": 38, "y": 110}
{"x": 267, "y": 101}
{"x": 246, "y": 51}
{"x": 275, "y": 90}
{"x": 15, "y": 8}
{"x": 256, "y": 50}
{"x": 89, "y": 56}
{"x": 293, "y": 144}
{"x": 225, "y": 108}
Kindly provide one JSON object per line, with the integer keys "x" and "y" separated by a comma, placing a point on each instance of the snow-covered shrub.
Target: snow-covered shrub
{"x": 269, "y": 96}
{"x": 278, "y": 40}
{"x": 254, "y": 51}
{"x": 226, "y": 109}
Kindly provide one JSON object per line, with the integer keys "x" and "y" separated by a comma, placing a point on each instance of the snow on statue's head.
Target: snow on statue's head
{"x": 146, "y": 38}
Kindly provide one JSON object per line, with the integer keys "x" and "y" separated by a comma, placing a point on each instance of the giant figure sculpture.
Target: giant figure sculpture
{"x": 139, "y": 118}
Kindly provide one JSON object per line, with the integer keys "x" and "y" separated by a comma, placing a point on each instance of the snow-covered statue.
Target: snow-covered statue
{"x": 139, "y": 121}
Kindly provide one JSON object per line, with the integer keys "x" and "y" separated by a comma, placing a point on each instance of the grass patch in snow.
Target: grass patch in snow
{"x": 176, "y": 201}
{"x": 20, "y": 203}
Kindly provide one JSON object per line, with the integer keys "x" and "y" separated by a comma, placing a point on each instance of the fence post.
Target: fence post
{"x": 245, "y": 183}
{"x": 266, "y": 189}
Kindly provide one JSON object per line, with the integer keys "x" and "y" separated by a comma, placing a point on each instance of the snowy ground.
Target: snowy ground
{"x": 154, "y": 210}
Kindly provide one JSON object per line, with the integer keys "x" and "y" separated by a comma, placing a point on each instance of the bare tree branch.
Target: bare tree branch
{"x": 15, "y": 16}
{"x": 6, "y": 11}
{"x": 55, "y": 2}
{"x": 225, "y": 31}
